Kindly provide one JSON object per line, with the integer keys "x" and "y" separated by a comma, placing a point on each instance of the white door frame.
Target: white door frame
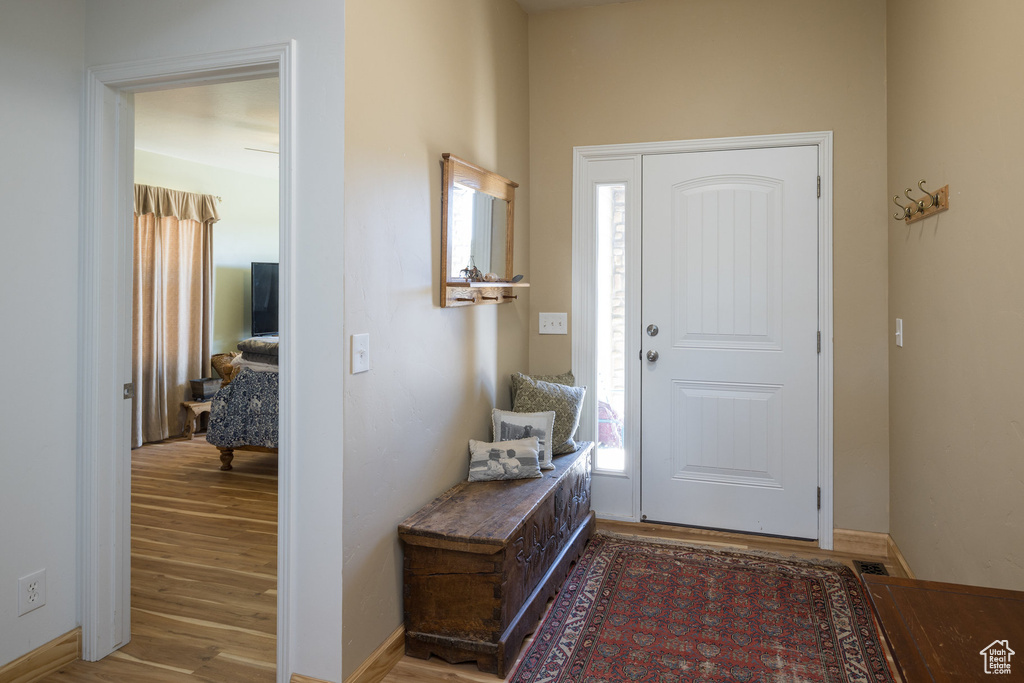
{"x": 586, "y": 174}
{"x": 105, "y": 305}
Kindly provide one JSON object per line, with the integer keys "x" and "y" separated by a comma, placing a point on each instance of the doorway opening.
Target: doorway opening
{"x": 106, "y": 329}
{"x": 203, "y": 540}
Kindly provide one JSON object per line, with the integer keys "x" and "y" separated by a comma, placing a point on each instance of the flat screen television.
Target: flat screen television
{"x": 264, "y": 299}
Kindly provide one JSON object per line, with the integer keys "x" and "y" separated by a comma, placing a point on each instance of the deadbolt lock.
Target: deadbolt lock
{"x": 652, "y": 330}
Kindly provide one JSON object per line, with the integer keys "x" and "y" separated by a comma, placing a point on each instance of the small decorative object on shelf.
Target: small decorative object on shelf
{"x": 471, "y": 273}
{"x": 491, "y": 277}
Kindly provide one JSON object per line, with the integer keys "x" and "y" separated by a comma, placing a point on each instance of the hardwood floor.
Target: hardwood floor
{"x": 434, "y": 670}
{"x": 204, "y": 573}
{"x": 204, "y": 569}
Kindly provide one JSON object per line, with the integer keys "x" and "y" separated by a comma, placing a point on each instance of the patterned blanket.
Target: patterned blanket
{"x": 245, "y": 413}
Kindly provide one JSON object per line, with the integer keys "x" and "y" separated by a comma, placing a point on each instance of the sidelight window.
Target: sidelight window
{"x": 611, "y": 326}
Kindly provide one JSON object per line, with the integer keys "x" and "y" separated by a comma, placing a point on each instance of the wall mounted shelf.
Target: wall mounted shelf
{"x": 476, "y": 293}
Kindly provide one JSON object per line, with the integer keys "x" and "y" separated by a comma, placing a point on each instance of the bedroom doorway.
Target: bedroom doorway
{"x": 106, "y": 338}
{"x": 206, "y": 238}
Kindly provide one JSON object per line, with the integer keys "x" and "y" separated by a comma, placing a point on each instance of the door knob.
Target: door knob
{"x": 652, "y": 356}
{"x": 652, "y": 330}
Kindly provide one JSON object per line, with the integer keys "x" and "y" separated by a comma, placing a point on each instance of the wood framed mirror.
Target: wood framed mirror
{"x": 477, "y": 231}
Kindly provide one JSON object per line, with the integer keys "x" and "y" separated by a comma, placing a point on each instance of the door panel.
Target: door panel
{"x": 729, "y": 426}
{"x": 727, "y": 433}
{"x": 727, "y": 258}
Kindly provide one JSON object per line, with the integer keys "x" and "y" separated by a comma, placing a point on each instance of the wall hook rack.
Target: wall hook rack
{"x": 917, "y": 209}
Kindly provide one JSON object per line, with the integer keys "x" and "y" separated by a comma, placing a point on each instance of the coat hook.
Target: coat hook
{"x": 933, "y": 198}
{"x": 906, "y": 209}
{"x": 918, "y": 202}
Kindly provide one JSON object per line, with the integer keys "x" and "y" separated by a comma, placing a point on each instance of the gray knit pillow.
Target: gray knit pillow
{"x": 534, "y": 396}
{"x": 565, "y": 378}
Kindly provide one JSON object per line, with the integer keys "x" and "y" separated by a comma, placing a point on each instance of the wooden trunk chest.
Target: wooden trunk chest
{"x": 483, "y": 559}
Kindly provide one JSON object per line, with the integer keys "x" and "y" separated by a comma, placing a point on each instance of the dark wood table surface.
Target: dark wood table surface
{"x": 937, "y": 631}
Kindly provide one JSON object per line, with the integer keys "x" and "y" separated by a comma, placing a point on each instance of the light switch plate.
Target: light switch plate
{"x": 360, "y": 353}
{"x": 554, "y": 323}
{"x": 899, "y": 331}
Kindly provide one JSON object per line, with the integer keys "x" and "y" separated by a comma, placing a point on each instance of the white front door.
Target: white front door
{"x": 729, "y": 381}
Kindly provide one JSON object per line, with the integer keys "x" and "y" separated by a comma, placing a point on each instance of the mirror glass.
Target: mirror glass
{"x": 478, "y": 233}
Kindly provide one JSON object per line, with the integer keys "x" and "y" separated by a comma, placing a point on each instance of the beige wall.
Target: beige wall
{"x": 684, "y": 69}
{"x": 422, "y": 79}
{"x": 956, "y": 398}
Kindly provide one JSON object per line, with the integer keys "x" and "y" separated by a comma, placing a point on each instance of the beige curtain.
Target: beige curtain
{"x": 171, "y": 306}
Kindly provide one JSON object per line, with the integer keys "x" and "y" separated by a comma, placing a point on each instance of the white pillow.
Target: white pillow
{"x": 503, "y": 460}
{"x": 509, "y": 425}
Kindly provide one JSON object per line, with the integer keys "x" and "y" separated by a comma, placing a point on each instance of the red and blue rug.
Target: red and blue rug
{"x": 637, "y": 611}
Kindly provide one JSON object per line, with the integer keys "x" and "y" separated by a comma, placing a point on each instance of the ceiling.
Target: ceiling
{"x": 213, "y": 124}
{"x": 536, "y": 6}
{"x": 222, "y": 124}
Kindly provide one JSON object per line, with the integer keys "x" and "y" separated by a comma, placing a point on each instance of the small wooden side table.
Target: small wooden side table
{"x": 195, "y": 409}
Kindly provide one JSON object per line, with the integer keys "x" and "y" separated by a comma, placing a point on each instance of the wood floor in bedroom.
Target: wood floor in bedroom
{"x": 204, "y": 569}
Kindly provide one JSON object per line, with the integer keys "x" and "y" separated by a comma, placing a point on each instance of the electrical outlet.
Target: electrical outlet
{"x": 31, "y": 592}
{"x": 554, "y": 323}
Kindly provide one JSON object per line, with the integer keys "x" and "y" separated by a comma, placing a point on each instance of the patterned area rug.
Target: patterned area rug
{"x": 637, "y": 611}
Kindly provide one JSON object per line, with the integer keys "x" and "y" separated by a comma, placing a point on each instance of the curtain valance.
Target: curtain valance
{"x": 185, "y": 206}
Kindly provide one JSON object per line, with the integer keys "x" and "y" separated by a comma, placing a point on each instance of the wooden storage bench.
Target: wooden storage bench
{"x": 483, "y": 559}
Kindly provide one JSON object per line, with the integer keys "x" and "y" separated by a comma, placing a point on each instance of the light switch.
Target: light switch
{"x": 360, "y": 353}
{"x": 554, "y": 323}
{"x": 899, "y": 331}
